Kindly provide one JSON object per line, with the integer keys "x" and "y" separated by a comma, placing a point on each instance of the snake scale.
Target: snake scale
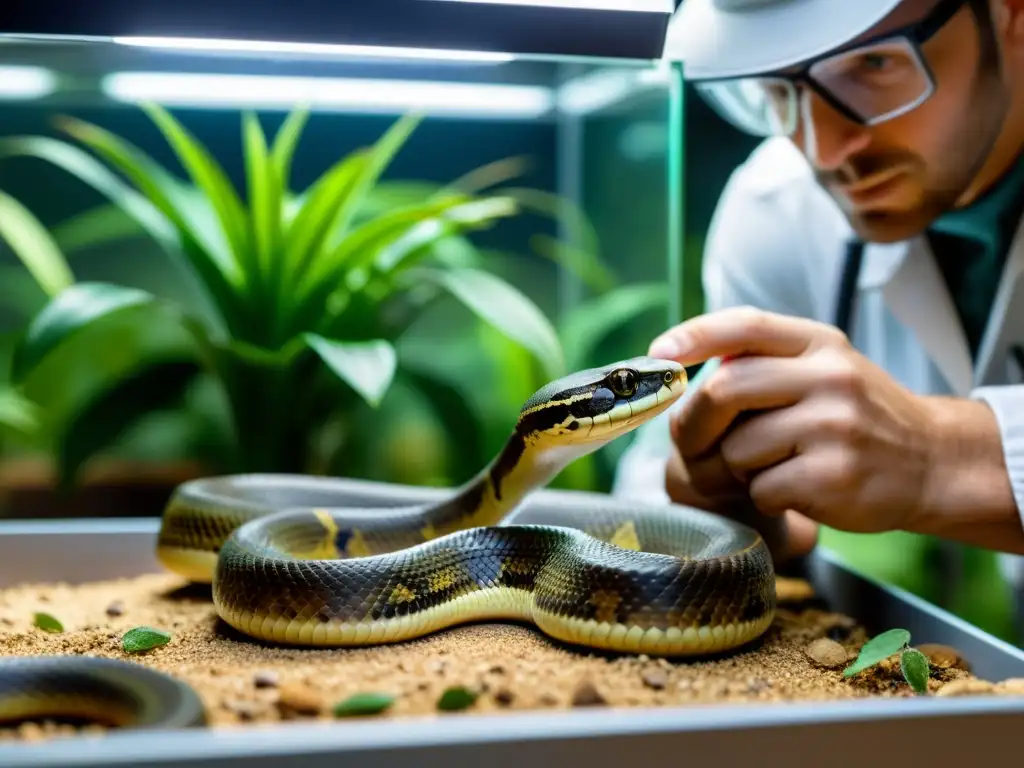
{"x": 326, "y": 562}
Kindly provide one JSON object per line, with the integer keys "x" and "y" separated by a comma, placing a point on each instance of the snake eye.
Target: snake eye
{"x": 667, "y": 376}
{"x": 622, "y": 382}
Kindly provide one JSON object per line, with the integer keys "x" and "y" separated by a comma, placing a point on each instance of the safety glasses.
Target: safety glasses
{"x": 870, "y": 82}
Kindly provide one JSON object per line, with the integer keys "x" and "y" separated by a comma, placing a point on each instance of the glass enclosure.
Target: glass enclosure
{"x": 526, "y": 223}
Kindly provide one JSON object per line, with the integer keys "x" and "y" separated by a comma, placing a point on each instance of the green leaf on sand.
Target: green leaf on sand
{"x": 915, "y": 667}
{"x": 456, "y": 697}
{"x": 878, "y": 649}
{"x": 47, "y": 622}
{"x": 140, "y": 639}
{"x": 370, "y": 703}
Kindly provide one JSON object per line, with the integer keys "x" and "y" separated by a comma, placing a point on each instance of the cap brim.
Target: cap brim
{"x": 764, "y": 36}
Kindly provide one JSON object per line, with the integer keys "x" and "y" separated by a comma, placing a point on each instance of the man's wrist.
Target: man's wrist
{"x": 967, "y": 494}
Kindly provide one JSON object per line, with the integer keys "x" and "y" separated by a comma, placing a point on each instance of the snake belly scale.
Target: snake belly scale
{"x": 307, "y": 561}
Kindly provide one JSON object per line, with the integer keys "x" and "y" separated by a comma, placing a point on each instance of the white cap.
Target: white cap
{"x": 727, "y": 38}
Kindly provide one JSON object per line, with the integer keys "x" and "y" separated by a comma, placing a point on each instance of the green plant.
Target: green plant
{"x": 305, "y": 295}
{"x": 914, "y": 665}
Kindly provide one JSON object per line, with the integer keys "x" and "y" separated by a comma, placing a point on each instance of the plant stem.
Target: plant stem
{"x": 270, "y": 432}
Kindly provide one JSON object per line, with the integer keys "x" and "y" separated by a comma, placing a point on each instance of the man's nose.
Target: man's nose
{"x": 828, "y": 137}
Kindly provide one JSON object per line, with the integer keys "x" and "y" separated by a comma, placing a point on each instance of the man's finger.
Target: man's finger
{"x": 765, "y": 439}
{"x": 783, "y": 487}
{"x": 736, "y": 332}
{"x": 712, "y": 477}
{"x": 746, "y": 384}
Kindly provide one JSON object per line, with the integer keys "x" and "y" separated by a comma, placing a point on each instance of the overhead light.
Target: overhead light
{"x": 312, "y": 49}
{"x": 358, "y": 94}
{"x": 648, "y": 6}
{"x": 26, "y": 82}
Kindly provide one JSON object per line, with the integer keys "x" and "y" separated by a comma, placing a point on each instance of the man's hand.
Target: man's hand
{"x": 790, "y": 536}
{"x": 800, "y": 422}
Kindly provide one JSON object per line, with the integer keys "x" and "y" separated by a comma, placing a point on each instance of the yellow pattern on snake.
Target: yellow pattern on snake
{"x": 328, "y": 562}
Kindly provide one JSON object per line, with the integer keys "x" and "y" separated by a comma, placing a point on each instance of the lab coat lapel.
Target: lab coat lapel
{"x": 916, "y": 294}
{"x": 1006, "y": 321}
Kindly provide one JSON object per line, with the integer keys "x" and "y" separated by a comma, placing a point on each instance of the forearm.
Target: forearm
{"x": 970, "y": 493}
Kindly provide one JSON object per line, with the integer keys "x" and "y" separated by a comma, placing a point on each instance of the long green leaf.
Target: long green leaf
{"x": 334, "y": 205}
{"x": 308, "y": 230}
{"x": 586, "y": 325}
{"x": 325, "y": 306}
{"x": 208, "y": 176}
{"x": 66, "y": 315}
{"x": 572, "y": 258}
{"x": 378, "y": 159}
{"x": 360, "y": 247}
{"x": 491, "y": 173}
{"x": 506, "y": 308}
{"x": 581, "y": 252}
{"x": 264, "y": 195}
{"x": 32, "y": 243}
{"x": 101, "y": 225}
{"x": 89, "y": 170}
{"x": 207, "y": 255}
{"x": 18, "y": 414}
{"x": 285, "y": 142}
{"x": 368, "y": 367}
{"x": 475, "y": 214}
{"x": 99, "y": 423}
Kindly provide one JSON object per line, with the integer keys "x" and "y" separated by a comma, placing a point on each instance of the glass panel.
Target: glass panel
{"x": 587, "y": 151}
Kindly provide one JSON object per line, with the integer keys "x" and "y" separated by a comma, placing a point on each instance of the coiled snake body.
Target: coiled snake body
{"x": 327, "y": 562}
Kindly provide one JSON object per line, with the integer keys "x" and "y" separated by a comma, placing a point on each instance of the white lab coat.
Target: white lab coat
{"x": 777, "y": 242}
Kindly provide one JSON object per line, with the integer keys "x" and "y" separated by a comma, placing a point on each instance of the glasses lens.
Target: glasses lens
{"x": 763, "y": 106}
{"x": 876, "y": 82}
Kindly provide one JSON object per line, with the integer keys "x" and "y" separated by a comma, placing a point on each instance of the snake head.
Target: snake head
{"x": 596, "y": 405}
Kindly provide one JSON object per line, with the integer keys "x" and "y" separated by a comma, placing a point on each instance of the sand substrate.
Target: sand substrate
{"x": 505, "y": 666}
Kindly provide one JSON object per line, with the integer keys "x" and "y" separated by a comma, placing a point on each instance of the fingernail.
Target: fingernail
{"x": 667, "y": 347}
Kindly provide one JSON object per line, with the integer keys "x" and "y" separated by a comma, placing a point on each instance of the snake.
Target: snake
{"x": 332, "y": 562}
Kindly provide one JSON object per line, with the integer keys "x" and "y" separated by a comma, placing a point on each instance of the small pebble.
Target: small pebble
{"x": 299, "y": 700}
{"x": 504, "y": 697}
{"x": 655, "y": 678}
{"x": 245, "y": 710}
{"x": 826, "y": 653}
{"x": 265, "y": 679}
{"x": 943, "y": 656}
{"x": 587, "y": 695}
{"x": 116, "y": 608}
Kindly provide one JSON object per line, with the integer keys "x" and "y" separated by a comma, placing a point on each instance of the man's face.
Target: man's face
{"x": 893, "y": 179}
